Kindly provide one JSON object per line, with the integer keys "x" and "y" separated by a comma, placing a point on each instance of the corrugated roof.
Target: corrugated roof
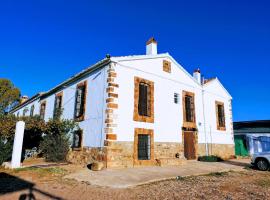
{"x": 260, "y": 126}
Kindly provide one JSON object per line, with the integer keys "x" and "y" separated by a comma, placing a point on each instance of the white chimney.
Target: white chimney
{"x": 23, "y": 99}
{"x": 151, "y": 47}
{"x": 197, "y": 75}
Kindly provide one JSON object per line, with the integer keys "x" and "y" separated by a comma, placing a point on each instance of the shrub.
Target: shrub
{"x": 55, "y": 144}
{"x": 55, "y": 147}
{"x": 211, "y": 158}
{"x": 5, "y": 150}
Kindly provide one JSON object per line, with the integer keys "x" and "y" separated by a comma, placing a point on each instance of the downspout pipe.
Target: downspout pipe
{"x": 204, "y": 124}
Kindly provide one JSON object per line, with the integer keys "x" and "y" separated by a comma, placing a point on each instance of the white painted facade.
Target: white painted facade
{"x": 168, "y": 116}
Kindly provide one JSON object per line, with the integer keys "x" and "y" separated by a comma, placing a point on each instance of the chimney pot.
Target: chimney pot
{"x": 197, "y": 75}
{"x": 151, "y": 46}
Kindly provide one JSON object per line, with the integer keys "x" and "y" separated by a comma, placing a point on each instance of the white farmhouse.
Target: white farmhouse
{"x": 140, "y": 110}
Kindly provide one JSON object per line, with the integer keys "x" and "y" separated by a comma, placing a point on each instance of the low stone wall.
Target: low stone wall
{"x": 117, "y": 154}
{"x": 120, "y": 154}
{"x": 225, "y": 151}
{"x": 87, "y": 156}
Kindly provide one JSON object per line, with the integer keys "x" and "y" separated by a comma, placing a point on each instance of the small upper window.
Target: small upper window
{"x": 220, "y": 116}
{"x": 189, "y": 108}
{"x": 166, "y": 66}
{"x": 58, "y": 105}
{"x": 42, "y": 110}
{"x": 80, "y": 101}
{"x": 176, "y": 98}
{"x": 18, "y": 114}
{"x": 25, "y": 110}
{"x": 144, "y": 106}
{"x": 32, "y": 110}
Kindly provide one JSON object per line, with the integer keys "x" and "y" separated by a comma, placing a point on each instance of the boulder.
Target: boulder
{"x": 97, "y": 166}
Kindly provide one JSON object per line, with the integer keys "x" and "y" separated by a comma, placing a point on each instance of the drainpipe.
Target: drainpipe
{"x": 205, "y": 135}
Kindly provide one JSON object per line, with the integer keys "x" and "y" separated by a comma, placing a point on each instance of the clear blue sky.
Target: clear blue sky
{"x": 44, "y": 42}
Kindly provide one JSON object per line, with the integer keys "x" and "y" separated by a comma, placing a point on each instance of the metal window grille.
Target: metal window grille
{"x": 80, "y": 98}
{"x": 176, "y": 98}
{"x": 189, "y": 106}
{"x": 32, "y": 110}
{"x": 221, "y": 116}
{"x": 57, "y": 105}
{"x": 77, "y": 139}
{"x": 144, "y": 147}
{"x": 143, "y": 106}
{"x": 42, "y": 111}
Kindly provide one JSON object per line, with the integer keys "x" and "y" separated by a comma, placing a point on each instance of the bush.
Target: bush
{"x": 5, "y": 150}
{"x": 55, "y": 144}
{"x": 211, "y": 158}
{"x": 55, "y": 147}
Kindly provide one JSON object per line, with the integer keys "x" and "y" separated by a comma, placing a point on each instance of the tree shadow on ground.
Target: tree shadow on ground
{"x": 10, "y": 184}
{"x": 237, "y": 163}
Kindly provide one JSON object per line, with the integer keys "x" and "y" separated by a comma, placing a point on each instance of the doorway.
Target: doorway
{"x": 190, "y": 145}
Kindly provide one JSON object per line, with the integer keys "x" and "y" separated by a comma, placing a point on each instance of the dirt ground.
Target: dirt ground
{"x": 47, "y": 183}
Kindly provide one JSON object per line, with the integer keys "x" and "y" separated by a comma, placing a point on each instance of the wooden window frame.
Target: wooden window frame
{"x": 81, "y": 142}
{"x": 60, "y": 94}
{"x": 25, "y": 110}
{"x": 81, "y": 118}
{"x": 220, "y": 128}
{"x": 136, "y": 116}
{"x": 185, "y": 123}
{"x": 32, "y": 110}
{"x": 40, "y": 114}
{"x": 167, "y": 66}
{"x": 137, "y": 132}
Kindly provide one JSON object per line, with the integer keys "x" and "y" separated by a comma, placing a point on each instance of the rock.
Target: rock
{"x": 6, "y": 165}
{"x": 97, "y": 166}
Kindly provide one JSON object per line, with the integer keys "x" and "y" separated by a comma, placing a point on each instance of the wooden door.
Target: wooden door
{"x": 189, "y": 145}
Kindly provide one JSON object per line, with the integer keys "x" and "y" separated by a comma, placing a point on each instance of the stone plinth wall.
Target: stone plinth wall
{"x": 169, "y": 153}
{"x": 225, "y": 151}
{"x": 121, "y": 154}
{"x": 87, "y": 156}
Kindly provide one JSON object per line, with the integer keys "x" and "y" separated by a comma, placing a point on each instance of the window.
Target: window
{"x": 25, "y": 110}
{"x": 58, "y": 105}
{"x": 42, "y": 110}
{"x": 80, "y": 101}
{"x": 144, "y": 147}
{"x": 166, "y": 66}
{"x": 176, "y": 98}
{"x": 189, "y": 110}
{"x": 143, "y": 105}
{"x": 18, "y": 114}
{"x": 32, "y": 110}
{"x": 220, "y": 116}
{"x": 77, "y": 139}
{"x": 189, "y": 106}
{"x": 143, "y": 100}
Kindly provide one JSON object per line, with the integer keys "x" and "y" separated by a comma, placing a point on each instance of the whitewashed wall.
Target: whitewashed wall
{"x": 168, "y": 115}
{"x": 215, "y": 92}
{"x": 93, "y": 131}
{"x": 28, "y": 107}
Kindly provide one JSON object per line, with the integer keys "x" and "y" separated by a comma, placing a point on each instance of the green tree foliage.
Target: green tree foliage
{"x": 52, "y": 138}
{"x": 9, "y": 95}
{"x": 55, "y": 144}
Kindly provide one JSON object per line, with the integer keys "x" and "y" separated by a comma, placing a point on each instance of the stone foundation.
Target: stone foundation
{"x": 116, "y": 154}
{"x": 87, "y": 156}
{"x": 225, "y": 151}
{"x": 121, "y": 154}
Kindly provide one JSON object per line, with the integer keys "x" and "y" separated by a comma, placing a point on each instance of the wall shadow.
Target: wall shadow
{"x": 10, "y": 184}
{"x": 237, "y": 163}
